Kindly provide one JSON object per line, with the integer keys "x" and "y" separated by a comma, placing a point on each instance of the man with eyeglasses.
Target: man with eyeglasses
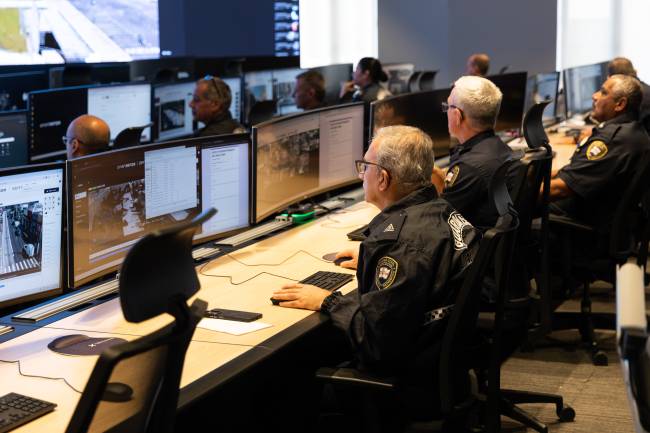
{"x": 210, "y": 105}
{"x": 86, "y": 135}
{"x": 472, "y": 109}
{"x": 409, "y": 267}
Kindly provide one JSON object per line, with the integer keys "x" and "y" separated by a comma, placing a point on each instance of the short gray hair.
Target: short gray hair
{"x": 217, "y": 91}
{"x": 407, "y": 153}
{"x": 479, "y": 98}
{"x": 628, "y": 87}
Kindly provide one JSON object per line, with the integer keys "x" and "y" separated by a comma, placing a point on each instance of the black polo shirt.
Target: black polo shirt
{"x": 601, "y": 167}
{"x": 471, "y": 167}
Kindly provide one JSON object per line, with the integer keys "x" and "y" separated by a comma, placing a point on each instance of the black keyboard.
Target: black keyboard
{"x": 328, "y": 280}
{"x": 16, "y": 410}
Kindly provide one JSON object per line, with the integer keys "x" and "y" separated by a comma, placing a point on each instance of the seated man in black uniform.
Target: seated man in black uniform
{"x": 409, "y": 267}
{"x": 309, "y": 92}
{"x": 210, "y": 104}
{"x": 622, "y": 65}
{"x": 472, "y": 109}
{"x": 589, "y": 187}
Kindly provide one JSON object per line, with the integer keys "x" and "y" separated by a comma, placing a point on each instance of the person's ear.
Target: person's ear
{"x": 76, "y": 147}
{"x": 384, "y": 180}
{"x": 621, "y": 105}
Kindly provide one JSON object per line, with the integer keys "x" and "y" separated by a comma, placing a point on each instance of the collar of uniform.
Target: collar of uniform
{"x": 221, "y": 117}
{"x": 618, "y": 120}
{"x": 421, "y": 195}
{"x": 467, "y": 145}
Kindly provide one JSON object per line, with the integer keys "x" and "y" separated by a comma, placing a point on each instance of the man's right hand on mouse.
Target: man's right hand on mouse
{"x": 352, "y": 256}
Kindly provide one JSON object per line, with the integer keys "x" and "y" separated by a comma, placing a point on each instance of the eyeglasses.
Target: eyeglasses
{"x": 220, "y": 91}
{"x": 445, "y": 107}
{"x": 362, "y": 166}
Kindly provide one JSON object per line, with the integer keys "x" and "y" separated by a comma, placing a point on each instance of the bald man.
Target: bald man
{"x": 478, "y": 64}
{"x": 86, "y": 135}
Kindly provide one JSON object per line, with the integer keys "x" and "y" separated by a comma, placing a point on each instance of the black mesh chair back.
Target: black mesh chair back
{"x": 129, "y": 137}
{"x": 413, "y": 81}
{"x": 421, "y": 81}
{"x": 495, "y": 247}
{"x": 134, "y": 386}
{"x": 534, "y": 132}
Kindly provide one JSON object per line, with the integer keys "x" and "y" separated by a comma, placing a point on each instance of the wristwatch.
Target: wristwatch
{"x": 330, "y": 301}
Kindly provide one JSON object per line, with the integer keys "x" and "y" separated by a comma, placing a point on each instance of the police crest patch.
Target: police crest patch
{"x": 457, "y": 224}
{"x": 452, "y": 175}
{"x": 386, "y": 272}
{"x": 596, "y": 150}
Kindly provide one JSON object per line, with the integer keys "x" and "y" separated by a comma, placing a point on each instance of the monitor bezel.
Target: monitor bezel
{"x": 71, "y": 284}
{"x": 255, "y": 218}
{"x": 226, "y": 140}
{"x": 63, "y": 250}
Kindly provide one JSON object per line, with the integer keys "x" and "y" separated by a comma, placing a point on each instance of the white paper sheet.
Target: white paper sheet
{"x": 231, "y": 326}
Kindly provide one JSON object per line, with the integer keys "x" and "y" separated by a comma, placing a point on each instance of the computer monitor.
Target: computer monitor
{"x": 306, "y": 154}
{"x": 334, "y": 76}
{"x": 171, "y": 110}
{"x": 13, "y": 138}
{"x": 513, "y": 87}
{"x": 15, "y": 86}
{"x": 421, "y": 109}
{"x": 542, "y": 87}
{"x": 580, "y": 83}
{"x": 398, "y": 77}
{"x": 51, "y": 111}
{"x": 119, "y": 196}
{"x": 235, "y": 85}
{"x": 258, "y": 86}
{"x": 122, "y": 106}
{"x": 31, "y": 236}
{"x": 225, "y": 184}
{"x": 284, "y": 84}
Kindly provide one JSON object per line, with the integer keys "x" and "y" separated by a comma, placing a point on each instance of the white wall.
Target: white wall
{"x": 337, "y": 31}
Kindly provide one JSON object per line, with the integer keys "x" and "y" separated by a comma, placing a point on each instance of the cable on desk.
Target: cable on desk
{"x": 280, "y": 263}
{"x": 245, "y": 281}
{"x": 20, "y": 371}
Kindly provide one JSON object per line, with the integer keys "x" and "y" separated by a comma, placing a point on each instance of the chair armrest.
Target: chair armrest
{"x": 569, "y": 223}
{"x": 354, "y": 377}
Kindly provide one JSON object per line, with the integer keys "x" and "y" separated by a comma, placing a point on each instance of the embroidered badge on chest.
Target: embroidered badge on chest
{"x": 596, "y": 150}
{"x": 452, "y": 175}
{"x": 457, "y": 224}
{"x": 386, "y": 272}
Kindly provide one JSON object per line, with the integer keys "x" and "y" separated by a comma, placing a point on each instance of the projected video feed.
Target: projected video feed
{"x": 21, "y": 239}
{"x": 78, "y": 31}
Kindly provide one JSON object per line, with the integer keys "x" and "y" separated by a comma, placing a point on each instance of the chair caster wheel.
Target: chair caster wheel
{"x": 566, "y": 413}
{"x": 599, "y": 358}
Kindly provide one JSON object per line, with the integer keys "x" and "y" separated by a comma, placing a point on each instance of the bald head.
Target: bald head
{"x": 86, "y": 135}
{"x": 478, "y": 64}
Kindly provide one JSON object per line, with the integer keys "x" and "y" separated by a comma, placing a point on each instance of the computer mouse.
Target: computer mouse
{"x": 342, "y": 259}
{"x": 331, "y": 257}
{"x": 66, "y": 341}
{"x": 117, "y": 392}
{"x": 275, "y": 301}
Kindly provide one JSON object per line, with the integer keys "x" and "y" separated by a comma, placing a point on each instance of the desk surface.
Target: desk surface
{"x": 256, "y": 272}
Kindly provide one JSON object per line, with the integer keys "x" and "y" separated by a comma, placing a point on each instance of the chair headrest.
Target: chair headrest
{"x": 159, "y": 270}
{"x": 534, "y": 128}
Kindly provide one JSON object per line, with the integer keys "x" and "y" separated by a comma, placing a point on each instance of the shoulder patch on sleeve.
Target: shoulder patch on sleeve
{"x": 452, "y": 175}
{"x": 458, "y": 223}
{"x": 596, "y": 150}
{"x": 386, "y": 272}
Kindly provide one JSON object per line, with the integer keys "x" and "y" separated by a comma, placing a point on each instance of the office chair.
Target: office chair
{"x": 262, "y": 111}
{"x": 421, "y": 81}
{"x": 157, "y": 277}
{"x": 459, "y": 340}
{"x": 515, "y": 310}
{"x": 129, "y": 137}
{"x": 627, "y": 233}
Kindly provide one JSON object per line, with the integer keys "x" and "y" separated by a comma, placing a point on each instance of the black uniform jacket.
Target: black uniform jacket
{"x": 412, "y": 261}
{"x": 601, "y": 168}
{"x": 223, "y": 124}
{"x": 471, "y": 167}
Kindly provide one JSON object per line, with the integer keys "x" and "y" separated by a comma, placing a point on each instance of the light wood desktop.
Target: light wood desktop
{"x": 294, "y": 254}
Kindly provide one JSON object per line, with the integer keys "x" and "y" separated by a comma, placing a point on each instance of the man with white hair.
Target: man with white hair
{"x": 472, "y": 109}
{"x": 410, "y": 265}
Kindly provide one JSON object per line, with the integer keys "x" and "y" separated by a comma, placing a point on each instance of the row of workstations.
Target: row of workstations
{"x": 35, "y": 134}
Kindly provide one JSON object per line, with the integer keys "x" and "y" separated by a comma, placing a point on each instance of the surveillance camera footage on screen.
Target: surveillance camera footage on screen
{"x": 77, "y": 31}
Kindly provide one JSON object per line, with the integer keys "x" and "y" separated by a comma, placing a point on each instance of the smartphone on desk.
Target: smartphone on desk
{"x": 239, "y": 316}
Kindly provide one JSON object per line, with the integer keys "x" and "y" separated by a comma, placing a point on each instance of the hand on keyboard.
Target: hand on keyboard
{"x": 296, "y": 295}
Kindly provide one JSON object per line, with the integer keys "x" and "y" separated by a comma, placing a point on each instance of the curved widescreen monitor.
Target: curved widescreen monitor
{"x": 306, "y": 154}
{"x": 117, "y": 197}
{"x": 513, "y": 87}
{"x": 422, "y": 110}
{"x": 31, "y": 232}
